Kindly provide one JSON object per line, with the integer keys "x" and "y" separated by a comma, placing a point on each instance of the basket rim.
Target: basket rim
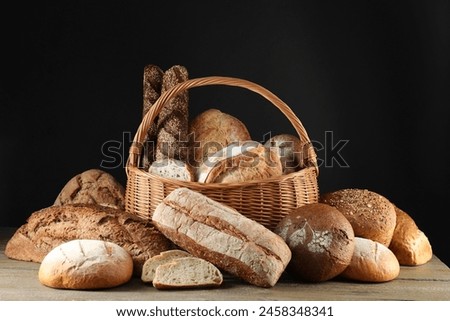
{"x": 198, "y": 185}
{"x": 137, "y": 144}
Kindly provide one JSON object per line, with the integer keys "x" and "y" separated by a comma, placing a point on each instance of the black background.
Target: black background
{"x": 372, "y": 73}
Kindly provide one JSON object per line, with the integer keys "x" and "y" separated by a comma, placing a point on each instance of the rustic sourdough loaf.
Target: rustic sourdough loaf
{"x": 371, "y": 262}
{"x": 222, "y": 236}
{"x": 212, "y": 130}
{"x": 321, "y": 240}
{"x": 187, "y": 272}
{"x": 93, "y": 186}
{"x": 371, "y": 215}
{"x": 409, "y": 244}
{"x": 86, "y": 264}
{"x": 149, "y": 268}
{"x": 52, "y": 226}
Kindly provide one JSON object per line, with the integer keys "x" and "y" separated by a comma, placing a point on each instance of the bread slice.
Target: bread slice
{"x": 173, "y": 168}
{"x": 149, "y": 268}
{"x": 187, "y": 272}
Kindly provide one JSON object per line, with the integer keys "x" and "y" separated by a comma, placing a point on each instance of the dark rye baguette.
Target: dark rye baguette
{"x": 152, "y": 84}
{"x": 173, "y": 119}
{"x": 222, "y": 236}
{"x": 47, "y": 228}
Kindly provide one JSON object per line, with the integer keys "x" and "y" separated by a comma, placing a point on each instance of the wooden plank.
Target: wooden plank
{"x": 429, "y": 282}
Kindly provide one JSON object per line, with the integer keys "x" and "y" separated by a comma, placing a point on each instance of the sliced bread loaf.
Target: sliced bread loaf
{"x": 173, "y": 168}
{"x": 187, "y": 272}
{"x": 149, "y": 268}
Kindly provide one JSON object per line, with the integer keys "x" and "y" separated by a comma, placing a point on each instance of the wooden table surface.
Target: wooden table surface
{"x": 429, "y": 282}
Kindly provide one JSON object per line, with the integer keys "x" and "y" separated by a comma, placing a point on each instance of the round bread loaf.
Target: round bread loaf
{"x": 213, "y": 130}
{"x": 409, "y": 244}
{"x": 290, "y": 149}
{"x": 320, "y": 239}
{"x": 371, "y": 215}
{"x": 86, "y": 264}
{"x": 371, "y": 262}
{"x": 93, "y": 186}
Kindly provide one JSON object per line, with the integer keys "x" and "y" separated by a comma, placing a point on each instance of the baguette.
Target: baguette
{"x": 222, "y": 236}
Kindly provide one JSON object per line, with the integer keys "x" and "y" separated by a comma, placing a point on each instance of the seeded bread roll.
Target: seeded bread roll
{"x": 86, "y": 264}
{"x": 240, "y": 162}
{"x": 321, "y": 240}
{"x": 409, "y": 244}
{"x": 371, "y": 262}
{"x": 173, "y": 119}
{"x": 52, "y": 226}
{"x": 152, "y": 83}
{"x": 187, "y": 273}
{"x": 93, "y": 186}
{"x": 371, "y": 215}
{"x": 222, "y": 236}
{"x": 213, "y": 130}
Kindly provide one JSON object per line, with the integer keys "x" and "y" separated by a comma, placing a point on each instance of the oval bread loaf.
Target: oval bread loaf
{"x": 371, "y": 262}
{"x": 409, "y": 244}
{"x": 222, "y": 236}
{"x": 86, "y": 264}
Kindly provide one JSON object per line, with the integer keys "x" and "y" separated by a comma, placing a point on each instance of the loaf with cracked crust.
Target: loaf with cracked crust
{"x": 93, "y": 186}
{"x": 47, "y": 228}
{"x": 222, "y": 236}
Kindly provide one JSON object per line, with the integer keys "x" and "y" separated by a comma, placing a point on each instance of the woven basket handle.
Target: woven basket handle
{"x": 138, "y": 141}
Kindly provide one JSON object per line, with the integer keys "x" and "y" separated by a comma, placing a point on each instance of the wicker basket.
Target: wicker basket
{"x": 265, "y": 201}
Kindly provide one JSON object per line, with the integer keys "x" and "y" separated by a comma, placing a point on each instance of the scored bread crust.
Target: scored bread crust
{"x": 247, "y": 161}
{"x": 222, "y": 236}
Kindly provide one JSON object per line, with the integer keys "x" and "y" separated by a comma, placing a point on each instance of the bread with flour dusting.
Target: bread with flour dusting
{"x": 222, "y": 236}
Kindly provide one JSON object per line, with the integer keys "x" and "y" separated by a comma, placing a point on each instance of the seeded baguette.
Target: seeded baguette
{"x": 222, "y": 236}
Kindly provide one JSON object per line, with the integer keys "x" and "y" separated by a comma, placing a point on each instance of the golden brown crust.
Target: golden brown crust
{"x": 212, "y": 130}
{"x": 409, "y": 244}
{"x": 371, "y": 262}
{"x": 290, "y": 150}
{"x": 371, "y": 215}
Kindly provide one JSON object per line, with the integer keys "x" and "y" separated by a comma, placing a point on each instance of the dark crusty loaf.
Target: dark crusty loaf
{"x": 222, "y": 236}
{"x": 321, "y": 240}
{"x": 173, "y": 119}
{"x": 93, "y": 186}
{"x": 152, "y": 84}
{"x": 52, "y": 226}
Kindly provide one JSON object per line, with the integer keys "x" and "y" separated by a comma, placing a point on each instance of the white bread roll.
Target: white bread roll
{"x": 187, "y": 273}
{"x": 371, "y": 262}
{"x": 149, "y": 268}
{"x": 86, "y": 264}
{"x": 222, "y": 236}
{"x": 409, "y": 244}
{"x": 240, "y": 162}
